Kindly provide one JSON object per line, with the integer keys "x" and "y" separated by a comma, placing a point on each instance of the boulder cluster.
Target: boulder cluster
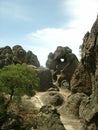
{"x": 17, "y": 55}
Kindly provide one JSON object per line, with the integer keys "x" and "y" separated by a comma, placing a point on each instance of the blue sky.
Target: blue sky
{"x": 42, "y": 25}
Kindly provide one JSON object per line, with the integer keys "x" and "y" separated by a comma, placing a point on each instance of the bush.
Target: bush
{"x": 18, "y": 80}
{"x": 15, "y": 81}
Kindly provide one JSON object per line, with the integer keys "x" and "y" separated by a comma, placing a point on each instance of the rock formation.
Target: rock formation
{"x": 45, "y": 78}
{"x": 17, "y": 55}
{"x": 80, "y": 102}
{"x": 62, "y": 63}
{"x": 85, "y": 79}
{"x": 6, "y": 56}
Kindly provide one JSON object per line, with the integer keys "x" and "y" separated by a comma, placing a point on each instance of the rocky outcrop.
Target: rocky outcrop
{"x": 88, "y": 66}
{"x": 62, "y": 63}
{"x": 88, "y": 113}
{"x": 17, "y": 55}
{"x": 6, "y": 56}
{"x": 71, "y": 106}
{"x": 81, "y": 81}
{"x": 85, "y": 79}
{"x": 32, "y": 59}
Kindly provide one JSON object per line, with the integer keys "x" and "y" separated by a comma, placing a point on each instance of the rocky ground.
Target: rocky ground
{"x": 69, "y": 122}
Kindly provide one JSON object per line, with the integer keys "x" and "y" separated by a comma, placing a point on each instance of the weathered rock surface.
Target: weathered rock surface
{"x": 62, "y": 63}
{"x": 54, "y": 98}
{"x": 45, "y": 78}
{"x": 85, "y": 79}
{"x": 17, "y": 55}
{"x": 81, "y": 81}
{"x": 89, "y": 114}
{"x": 49, "y": 119}
{"x": 6, "y": 56}
{"x": 71, "y": 106}
{"x": 26, "y": 116}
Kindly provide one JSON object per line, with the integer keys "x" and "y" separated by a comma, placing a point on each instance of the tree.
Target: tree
{"x": 17, "y": 80}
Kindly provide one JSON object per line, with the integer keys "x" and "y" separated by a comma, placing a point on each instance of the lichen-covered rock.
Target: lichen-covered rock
{"x": 17, "y": 55}
{"x": 63, "y": 63}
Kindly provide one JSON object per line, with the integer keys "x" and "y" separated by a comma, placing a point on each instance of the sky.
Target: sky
{"x": 42, "y": 25}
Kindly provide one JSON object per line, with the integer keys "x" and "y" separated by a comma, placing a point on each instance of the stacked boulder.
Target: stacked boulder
{"x": 17, "y": 55}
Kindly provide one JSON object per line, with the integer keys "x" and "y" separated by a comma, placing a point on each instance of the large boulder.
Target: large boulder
{"x": 63, "y": 63}
{"x": 54, "y": 98}
{"x": 45, "y": 77}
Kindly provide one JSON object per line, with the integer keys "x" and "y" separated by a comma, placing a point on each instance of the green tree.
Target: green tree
{"x": 17, "y": 80}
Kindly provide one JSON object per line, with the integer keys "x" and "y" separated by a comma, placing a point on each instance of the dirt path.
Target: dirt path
{"x": 70, "y": 123}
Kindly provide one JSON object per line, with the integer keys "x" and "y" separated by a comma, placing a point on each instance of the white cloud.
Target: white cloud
{"x": 47, "y": 40}
{"x": 84, "y": 13}
{"x": 43, "y": 41}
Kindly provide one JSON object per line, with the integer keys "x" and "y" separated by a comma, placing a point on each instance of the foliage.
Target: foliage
{"x": 17, "y": 80}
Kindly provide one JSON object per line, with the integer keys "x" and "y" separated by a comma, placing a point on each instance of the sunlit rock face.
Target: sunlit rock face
{"x": 17, "y": 55}
{"x": 62, "y": 63}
